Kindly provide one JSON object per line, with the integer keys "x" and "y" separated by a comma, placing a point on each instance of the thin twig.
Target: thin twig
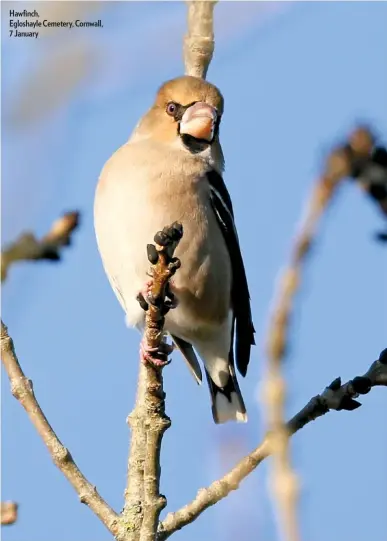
{"x": 335, "y": 397}
{"x": 148, "y": 421}
{"x": 339, "y": 165}
{"x": 371, "y": 176}
{"x": 22, "y": 390}
{"x": 28, "y": 248}
{"x": 199, "y": 41}
{"x": 8, "y": 513}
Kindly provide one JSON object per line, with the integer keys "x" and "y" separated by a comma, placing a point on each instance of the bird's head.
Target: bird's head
{"x": 188, "y": 109}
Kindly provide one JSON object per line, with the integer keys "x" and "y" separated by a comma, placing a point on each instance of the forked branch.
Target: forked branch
{"x": 22, "y": 390}
{"x": 335, "y": 397}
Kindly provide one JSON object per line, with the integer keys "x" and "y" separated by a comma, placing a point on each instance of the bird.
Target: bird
{"x": 171, "y": 170}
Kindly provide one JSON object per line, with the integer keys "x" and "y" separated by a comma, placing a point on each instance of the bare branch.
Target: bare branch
{"x": 28, "y": 248}
{"x": 148, "y": 421}
{"x": 371, "y": 176}
{"x": 335, "y": 397}
{"x": 199, "y": 41}
{"x": 8, "y": 513}
{"x": 22, "y": 390}
{"x": 339, "y": 165}
{"x": 218, "y": 490}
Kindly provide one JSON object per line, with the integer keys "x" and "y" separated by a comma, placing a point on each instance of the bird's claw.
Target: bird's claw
{"x": 142, "y": 302}
{"x": 144, "y": 298}
{"x": 174, "y": 264}
{"x": 156, "y": 356}
{"x": 170, "y": 301}
{"x": 170, "y": 298}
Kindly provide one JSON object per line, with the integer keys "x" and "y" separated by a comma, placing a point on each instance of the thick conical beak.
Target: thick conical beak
{"x": 199, "y": 121}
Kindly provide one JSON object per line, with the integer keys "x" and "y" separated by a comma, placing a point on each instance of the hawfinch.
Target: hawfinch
{"x": 169, "y": 171}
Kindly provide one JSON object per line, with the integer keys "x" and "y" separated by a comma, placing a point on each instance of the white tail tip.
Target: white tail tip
{"x": 229, "y": 411}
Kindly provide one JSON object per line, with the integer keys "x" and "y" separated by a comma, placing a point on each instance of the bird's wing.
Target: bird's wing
{"x": 190, "y": 357}
{"x": 240, "y": 297}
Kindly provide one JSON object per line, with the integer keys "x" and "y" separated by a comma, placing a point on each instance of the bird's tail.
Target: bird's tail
{"x": 227, "y": 402}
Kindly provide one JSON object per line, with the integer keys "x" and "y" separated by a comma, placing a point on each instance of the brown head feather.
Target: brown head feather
{"x": 184, "y": 91}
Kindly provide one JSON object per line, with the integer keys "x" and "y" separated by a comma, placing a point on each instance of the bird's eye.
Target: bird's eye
{"x": 171, "y": 108}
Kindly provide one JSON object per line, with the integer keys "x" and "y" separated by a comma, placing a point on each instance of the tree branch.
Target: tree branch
{"x": 22, "y": 390}
{"x": 28, "y": 248}
{"x": 371, "y": 176}
{"x": 132, "y": 514}
{"x": 8, "y": 513}
{"x": 340, "y": 164}
{"x": 199, "y": 41}
{"x": 148, "y": 421}
{"x": 335, "y": 397}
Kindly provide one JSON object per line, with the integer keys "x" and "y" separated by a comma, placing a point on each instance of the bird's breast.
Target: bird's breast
{"x": 134, "y": 201}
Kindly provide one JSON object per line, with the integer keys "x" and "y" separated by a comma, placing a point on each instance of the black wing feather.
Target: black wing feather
{"x": 240, "y": 296}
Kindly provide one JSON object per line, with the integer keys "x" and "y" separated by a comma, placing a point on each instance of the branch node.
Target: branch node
{"x": 61, "y": 455}
{"x": 21, "y": 387}
{"x": 84, "y": 497}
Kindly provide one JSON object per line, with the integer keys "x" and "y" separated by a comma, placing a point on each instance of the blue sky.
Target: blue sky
{"x": 296, "y": 78}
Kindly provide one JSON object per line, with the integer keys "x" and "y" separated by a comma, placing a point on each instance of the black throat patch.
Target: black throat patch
{"x": 194, "y": 145}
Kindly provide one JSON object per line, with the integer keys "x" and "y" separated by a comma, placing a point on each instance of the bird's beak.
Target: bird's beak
{"x": 199, "y": 121}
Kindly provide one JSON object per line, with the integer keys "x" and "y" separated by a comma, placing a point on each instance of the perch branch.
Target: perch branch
{"x": 335, "y": 397}
{"x": 28, "y": 248}
{"x": 199, "y": 41}
{"x": 22, "y": 390}
{"x": 132, "y": 513}
{"x": 148, "y": 421}
{"x": 8, "y": 513}
{"x": 340, "y": 164}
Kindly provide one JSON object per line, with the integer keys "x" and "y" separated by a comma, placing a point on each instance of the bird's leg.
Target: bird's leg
{"x": 157, "y": 356}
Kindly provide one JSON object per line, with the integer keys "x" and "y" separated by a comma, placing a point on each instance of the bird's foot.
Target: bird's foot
{"x": 156, "y": 356}
{"x": 170, "y": 299}
{"x": 145, "y": 297}
{"x": 145, "y": 294}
